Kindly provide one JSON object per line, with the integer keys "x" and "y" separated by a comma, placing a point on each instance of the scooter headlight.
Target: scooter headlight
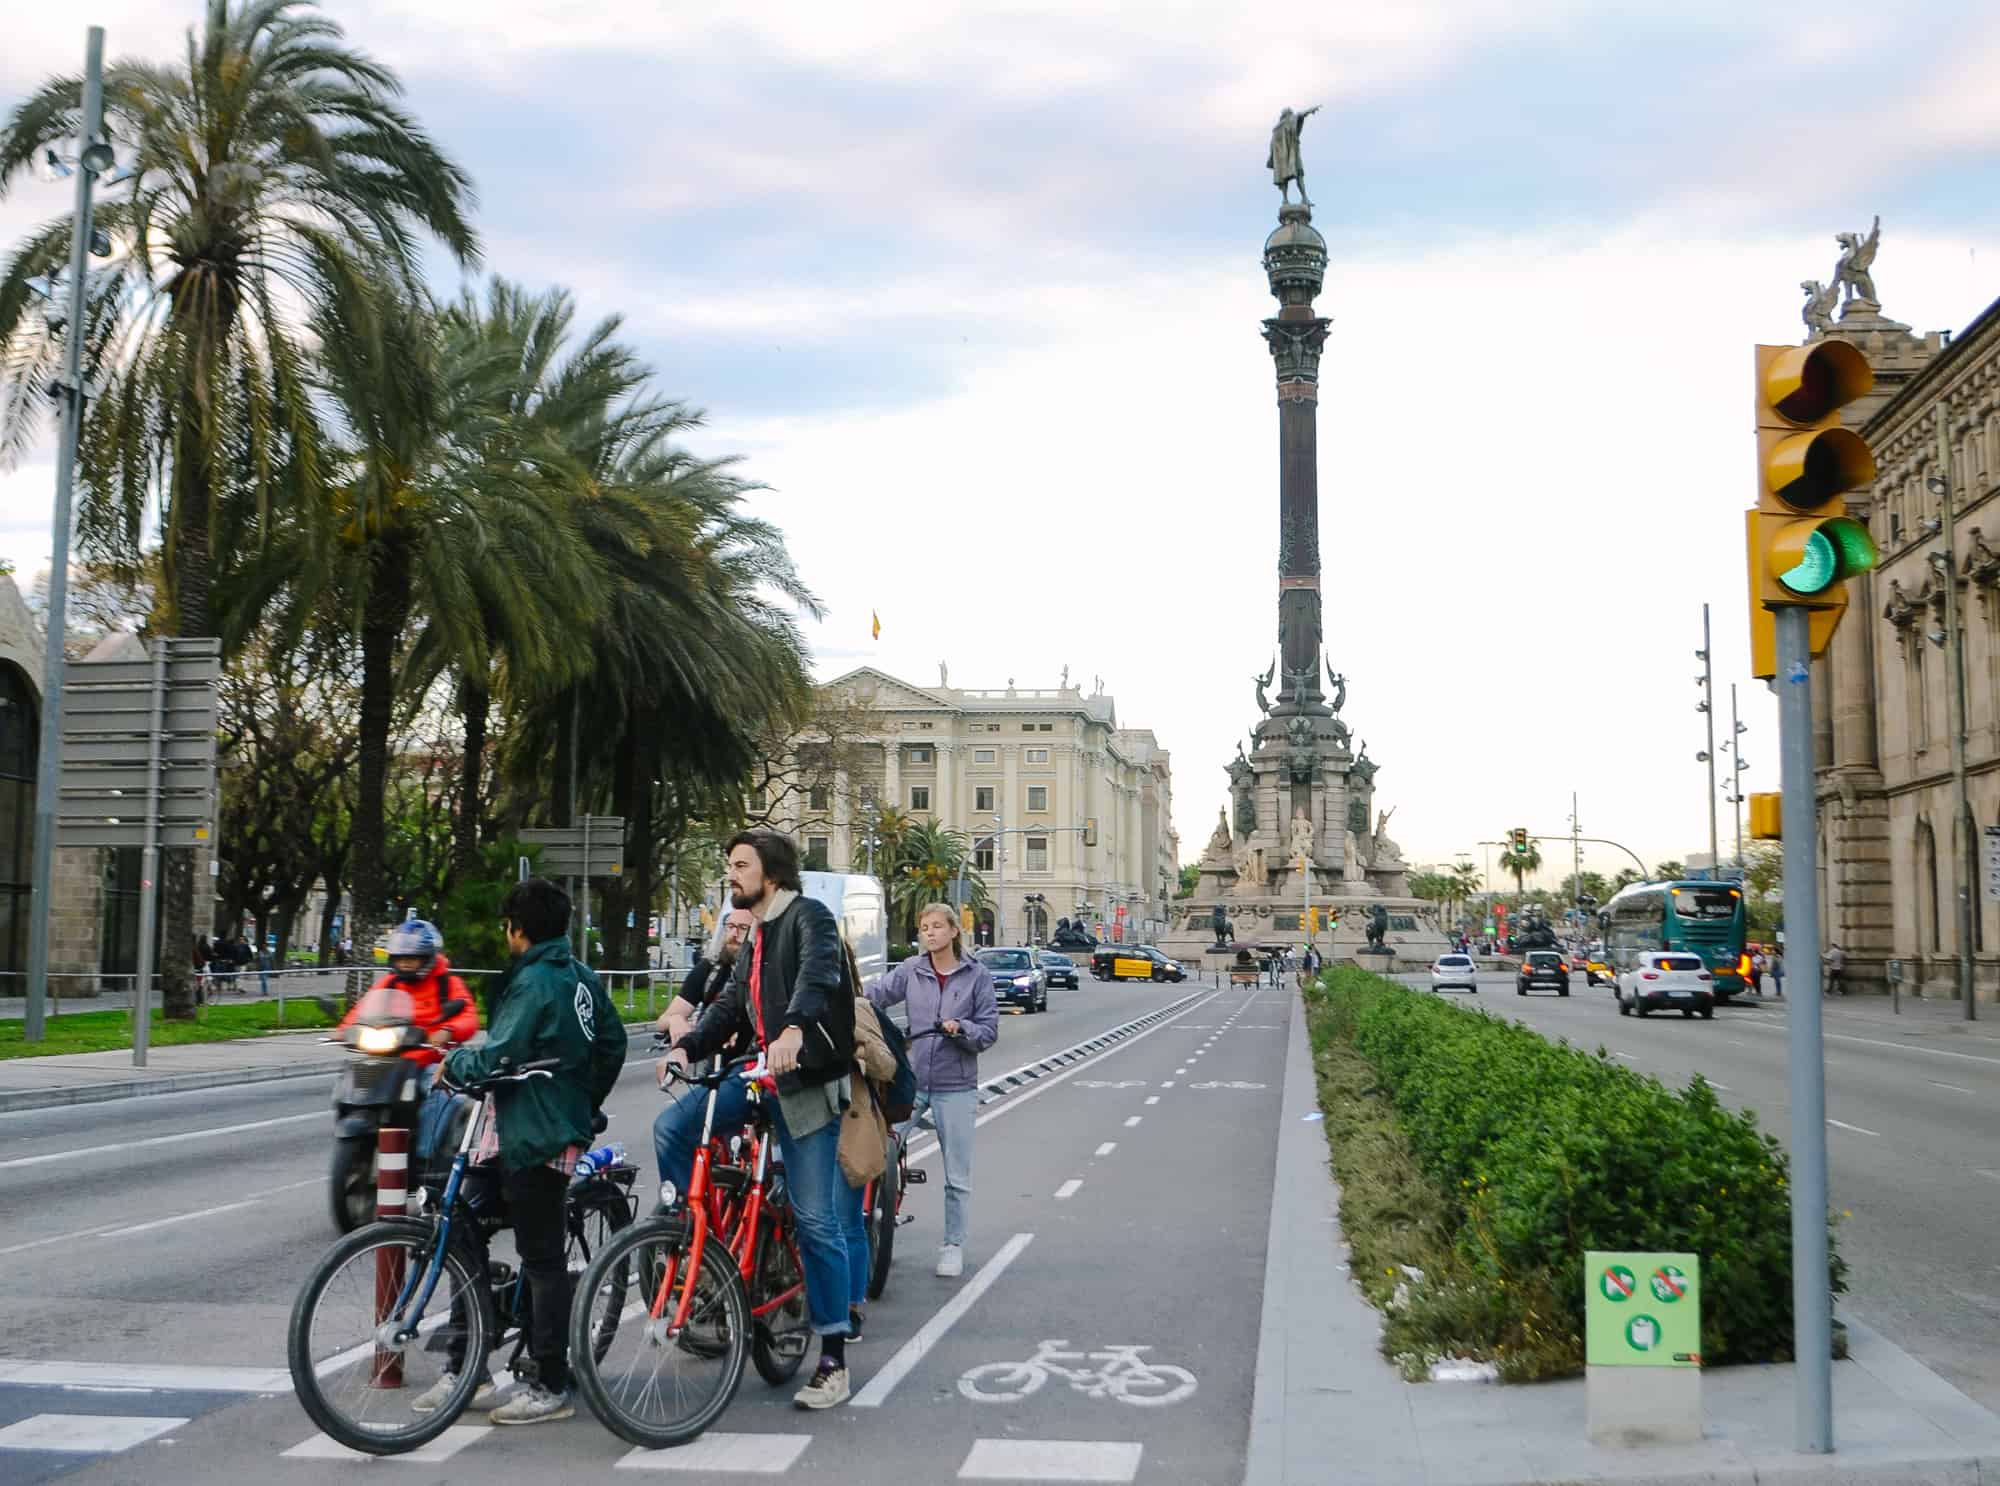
{"x": 379, "y": 1039}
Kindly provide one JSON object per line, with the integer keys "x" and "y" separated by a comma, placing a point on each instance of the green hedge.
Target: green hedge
{"x": 1547, "y": 1151}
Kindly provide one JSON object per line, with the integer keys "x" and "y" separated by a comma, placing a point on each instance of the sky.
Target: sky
{"x": 975, "y": 291}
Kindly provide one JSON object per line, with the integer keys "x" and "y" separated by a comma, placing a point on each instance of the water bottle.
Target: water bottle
{"x": 602, "y": 1159}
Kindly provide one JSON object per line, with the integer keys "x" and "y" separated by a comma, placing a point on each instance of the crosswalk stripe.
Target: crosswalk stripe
{"x": 740, "y": 1454}
{"x": 85, "y": 1434}
{"x": 188, "y": 1377}
{"x": 1051, "y": 1460}
{"x": 441, "y": 1449}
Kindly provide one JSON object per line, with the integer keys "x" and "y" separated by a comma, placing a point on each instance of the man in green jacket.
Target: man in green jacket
{"x": 548, "y": 1006}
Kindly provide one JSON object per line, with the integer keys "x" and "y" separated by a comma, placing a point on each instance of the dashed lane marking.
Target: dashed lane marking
{"x": 1068, "y": 1189}
{"x": 188, "y": 1378}
{"x": 1953, "y": 1087}
{"x": 724, "y": 1453}
{"x": 85, "y": 1434}
{"x": 439, "y": 1450}
{"x": 1152, "y": 1098}
{"x": 1842, "y": 1124}
{"x": 1133, "y": 1121}
{"x": 1167, "y": 1083}
{"x": 1051, "y": 1460}
{"x": 932, "y": 1332}
{"x": 1107, "y": 1148}
{"x": 157, "y": 1140}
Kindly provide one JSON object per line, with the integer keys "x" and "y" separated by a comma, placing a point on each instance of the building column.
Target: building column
{"x": 840, "y": 832}
{"x": 892, "y": 774}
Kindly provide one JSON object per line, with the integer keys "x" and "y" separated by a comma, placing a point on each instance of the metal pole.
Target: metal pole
{"x": 149, "y": 864}
{"x": 1708, "y": 712}
{"x": 48, "y": 772}
{"x": 1000, "y": 874}
{"x": 1966, "y": 868}
{"x": 575, "y": 738}
{"x": 1812, "y": 1293}
{"x": 1576, "y": 864}
{"x": 583, "y": 881}
{"x": 1736, "y": 771}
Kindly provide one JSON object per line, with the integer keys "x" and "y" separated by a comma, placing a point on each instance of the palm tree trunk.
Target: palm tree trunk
{"x": 562, "y": 809}
{"x": 632, "y": 893}
{"x": 193, "y": 619}
{"x": 381, "y": 633}
{"x": 474, "y": 702}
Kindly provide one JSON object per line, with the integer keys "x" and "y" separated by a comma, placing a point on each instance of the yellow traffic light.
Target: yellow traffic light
{"x": 1802, "y": 544}
{"x": 1764, "y": 818}
{"x": 1312, "y": 920}
{"x": 1520, "y": 834}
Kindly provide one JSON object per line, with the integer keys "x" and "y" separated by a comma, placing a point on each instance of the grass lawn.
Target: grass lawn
{"x": 109, "y": 1031}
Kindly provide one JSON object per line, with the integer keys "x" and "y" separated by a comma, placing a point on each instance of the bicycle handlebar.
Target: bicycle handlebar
{"x": 520, "y": 1073}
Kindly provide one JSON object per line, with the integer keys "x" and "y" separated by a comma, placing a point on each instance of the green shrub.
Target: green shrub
{"x": 1545, "y": 1151}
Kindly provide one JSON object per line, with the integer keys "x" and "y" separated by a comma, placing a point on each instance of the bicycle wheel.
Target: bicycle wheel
{"x": 779, "y": 1337}
{"x": 1151, "y": 1384}
{"x": 359, "y": 1392}
{"x": 645, "y": 1383}
{"x": 596, "y": 1215}
{"x": 882, "y": 1227}
{"x": 1001, "y": 1382}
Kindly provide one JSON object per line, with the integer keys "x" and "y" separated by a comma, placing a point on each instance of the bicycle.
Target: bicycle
{"x": 396, "y": 1305}
{"x": 719, "y": 1284}
{"x": 1122, "y": 1375}
{"x": 883, "y": 1199}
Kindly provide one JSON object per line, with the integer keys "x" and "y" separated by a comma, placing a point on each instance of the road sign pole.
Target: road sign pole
{"x": 1812, "y": 1292}
{"x": 583, "y": 882}
{"x": 149, "y": 867}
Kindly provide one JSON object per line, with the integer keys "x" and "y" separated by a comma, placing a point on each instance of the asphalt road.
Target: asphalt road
{"x": 1913, "y": 1152}
{"x": 1121, "y": 1202}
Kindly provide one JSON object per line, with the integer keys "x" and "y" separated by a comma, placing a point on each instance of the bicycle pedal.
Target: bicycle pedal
{"x": 916, "y": 1178}
{"x": 904, "y": 1219}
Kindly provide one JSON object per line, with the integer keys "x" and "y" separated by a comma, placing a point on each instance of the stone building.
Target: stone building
{"x": 1038, "y": 763}
{"x": 1892, "y": 862}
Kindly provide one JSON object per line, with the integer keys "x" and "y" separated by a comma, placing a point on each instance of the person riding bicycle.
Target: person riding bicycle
{"x": 677, "y": 1128}
{"x": 946, "y": 990}
{"x": 549, "y": 1005}
{"x": 790, "y": 994}
{"x": 418, "y": 968}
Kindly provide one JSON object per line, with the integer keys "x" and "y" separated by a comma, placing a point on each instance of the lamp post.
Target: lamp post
{"x": 1706, "y": 706}
{"x": 94, "y": 157}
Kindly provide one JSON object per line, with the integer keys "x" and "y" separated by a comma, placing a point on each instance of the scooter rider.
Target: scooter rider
{"x": 418, "y": 968}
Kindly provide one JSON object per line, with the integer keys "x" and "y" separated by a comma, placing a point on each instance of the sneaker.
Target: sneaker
{"x": 856, "y": 1319}
{"x": 432, "y": 1398}
{"x": 951, "y": 1261}
{"x": 534, "y": 1404}
{"x": 827, "y": 1388}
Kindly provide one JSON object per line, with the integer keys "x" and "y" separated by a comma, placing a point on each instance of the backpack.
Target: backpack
{"x": 898, "y": 1096}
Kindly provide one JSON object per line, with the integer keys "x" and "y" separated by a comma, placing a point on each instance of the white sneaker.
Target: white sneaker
{"x": 432, "y": 1398}
{"x": 951, "y": 1261}
{"x": 534, "y": 1404}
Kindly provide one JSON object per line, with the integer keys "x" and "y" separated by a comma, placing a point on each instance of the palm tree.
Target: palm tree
{"x": 934, "y": 857}
{"x": 271, "y": 170}
{"x": 1668, "y": 870}
{"x": 1523, "y": 864}
{"x": 1624, "y": 878}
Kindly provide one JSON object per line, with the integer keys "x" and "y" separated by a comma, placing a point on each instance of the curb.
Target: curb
{"x": 65, "y": 1095}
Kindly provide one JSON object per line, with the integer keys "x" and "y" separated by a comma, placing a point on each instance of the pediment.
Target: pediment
{"x": 879, "y": 691}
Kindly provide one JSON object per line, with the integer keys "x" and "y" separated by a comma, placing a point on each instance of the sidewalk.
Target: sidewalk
{"x": 1328, "y": 1408}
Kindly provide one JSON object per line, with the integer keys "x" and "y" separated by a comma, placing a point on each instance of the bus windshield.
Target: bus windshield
{"x": 1707, "y": 904}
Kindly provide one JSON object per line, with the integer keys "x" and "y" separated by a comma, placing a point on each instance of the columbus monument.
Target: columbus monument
{"x": 1301, "y": 825}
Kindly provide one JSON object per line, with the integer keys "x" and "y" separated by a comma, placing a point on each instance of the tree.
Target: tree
{"x": 1764, "y": 884}
{"x": 1589, "y": 885}
{"x": 933, "y": 858}
{"x": 272, "y": 171}
{"x": 1668, "y": 870}
{"x": 1625, "y": 877}
{"x": 1190, "y": 879}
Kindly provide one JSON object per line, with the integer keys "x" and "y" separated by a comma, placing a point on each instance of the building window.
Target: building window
{"x": 920, "y": 797}
{"x": 982, "y": 856}
{"x": 1927, "y": 884}
{"x": 1920, "y": 712}
{"x": 819, "y": 798}
{"x": 1048, "y": 727}
{"x": 982, "y": 799}
{"x": 1038, "y": 755}
{"x": 867, "y": 797}
{"x": 20, "y": 738}
{"x": 816, "y": 853}
{"x": 1037, "y": 853}
{"x": 1038, "y": 799}
{"x": 922, "y": 755}
{"x": 992, "y": 727}
{"x": 757, "y": 801}
{"x": 926, "y": 725}
{"x": 1027, "y": 727}
{"x": 983, "y": 755}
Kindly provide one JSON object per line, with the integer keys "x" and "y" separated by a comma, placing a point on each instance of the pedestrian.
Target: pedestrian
{"x": 1758, "y": 965}
{"x": 677, "y": 1127}
{"x": 1778, "y": 971}
{"x": 1836, "y": 969}
{"x": 790, "y": 995}
{"x": 943, "y": 989}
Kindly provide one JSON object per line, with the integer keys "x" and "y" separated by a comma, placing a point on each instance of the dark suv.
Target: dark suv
{"x": 1542, "y": 967}
{"x": 1060, "y": 968}
{"x": 1018, "y": 977}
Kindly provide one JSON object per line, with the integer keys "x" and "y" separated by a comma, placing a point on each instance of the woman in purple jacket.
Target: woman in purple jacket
{"x": 943, "y": 988}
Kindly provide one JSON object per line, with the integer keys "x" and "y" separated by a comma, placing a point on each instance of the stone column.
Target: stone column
{"x": 840, "y": 830}
{"x": 944, "y": 807}
{"x": 892, "y": 773}
{"x": 1295, "y": 265}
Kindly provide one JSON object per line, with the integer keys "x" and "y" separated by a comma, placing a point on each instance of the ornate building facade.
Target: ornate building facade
{"x": 1036, "y": 763}
{"x": 1892, "y": 859}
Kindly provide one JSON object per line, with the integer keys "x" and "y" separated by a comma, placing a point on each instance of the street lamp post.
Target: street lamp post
{"x": 1706, "y": 681}
{"x": 1946, "y": 564}
{"x": 94, "y": 156}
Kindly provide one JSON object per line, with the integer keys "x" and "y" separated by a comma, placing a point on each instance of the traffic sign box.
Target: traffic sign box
{"x": 1642, "y": 1347}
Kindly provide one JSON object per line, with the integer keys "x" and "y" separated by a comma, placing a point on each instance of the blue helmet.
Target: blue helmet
{"x": 414, "y": 938}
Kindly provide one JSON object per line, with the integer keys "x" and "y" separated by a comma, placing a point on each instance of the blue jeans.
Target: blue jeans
{"x": 953, "y": 1115}
{"x": 826, "y": 1211}
{"x": 677, "y": 1127}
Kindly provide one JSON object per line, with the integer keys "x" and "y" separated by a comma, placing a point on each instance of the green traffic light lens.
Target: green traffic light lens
{"x": 1837, "y": 549}
{"x": 1817, "y": 568}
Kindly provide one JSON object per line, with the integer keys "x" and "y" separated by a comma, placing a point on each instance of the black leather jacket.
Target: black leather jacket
{"x": 804, "y": 985}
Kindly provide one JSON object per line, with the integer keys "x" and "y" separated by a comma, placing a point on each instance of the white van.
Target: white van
{"x": 856, "y": 900}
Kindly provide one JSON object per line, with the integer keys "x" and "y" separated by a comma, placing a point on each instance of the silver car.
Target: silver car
{"x": 1455, "y": 970}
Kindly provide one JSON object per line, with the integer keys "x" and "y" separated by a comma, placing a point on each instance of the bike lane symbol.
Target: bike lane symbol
{"x": 1121, "y": 1374}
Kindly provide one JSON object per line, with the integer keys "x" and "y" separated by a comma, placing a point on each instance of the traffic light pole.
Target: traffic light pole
{"x": 1812, "y": 1289}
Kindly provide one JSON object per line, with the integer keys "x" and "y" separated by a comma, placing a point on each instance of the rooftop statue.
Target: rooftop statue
{"x": 1283, "y": 161}
{"x": 1857, "y": 256}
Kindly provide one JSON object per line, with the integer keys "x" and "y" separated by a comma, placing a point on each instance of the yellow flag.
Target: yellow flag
{"x": 878, "y": 623}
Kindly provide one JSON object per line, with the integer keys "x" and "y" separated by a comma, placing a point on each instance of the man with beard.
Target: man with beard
{"x": 677, "y": 1128}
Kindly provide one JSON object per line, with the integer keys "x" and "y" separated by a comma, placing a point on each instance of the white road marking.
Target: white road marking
{"x": 1152, "y": 1098}
{"x": 1107, "y": 1148}
{"x": 1855, "y": 1128}
{"x": 1068, "y": 1189}
{"x": 206, "y": 1212}
{"x": 153, "y": 1140}
{"x": 439, "y": 1450}
{"x": 86, "y": 1434}
{"x": 1626, "y": 1056}
{"x": 1984, "y": 1172}
{"x": 1167, "y": 1083}
{"x": 1133, "y": 1121}
{"x": 1177, "y": 1073}
{"x": 1953, "y": 1087}
{"x": 1051, "y": 1460}
{"x": 740, "y": 1454}
{"x": 106, "y": 1230}
{"x": 1901, "y": 1047}
{"x": 149, "y": 1376}
{"x": 932, "y": 1332}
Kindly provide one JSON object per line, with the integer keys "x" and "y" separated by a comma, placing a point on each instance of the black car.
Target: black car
{"x": 1018, "y": 977}
{"x": 1059, "y": 969}
{"x": 1542, "y": 967}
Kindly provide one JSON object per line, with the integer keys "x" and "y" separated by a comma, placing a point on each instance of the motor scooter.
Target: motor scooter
{"x": 383, "y": 1084}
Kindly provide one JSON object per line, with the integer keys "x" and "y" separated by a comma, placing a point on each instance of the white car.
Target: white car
{"x": 1455, "y": 970}
{"x": 1667, "y": 980}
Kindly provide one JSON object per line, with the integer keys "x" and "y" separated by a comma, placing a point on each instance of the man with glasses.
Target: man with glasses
{"x": 677, "y": 1128}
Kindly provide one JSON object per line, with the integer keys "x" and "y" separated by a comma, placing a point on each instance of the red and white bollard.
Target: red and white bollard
{"x": 392, "y": 1181}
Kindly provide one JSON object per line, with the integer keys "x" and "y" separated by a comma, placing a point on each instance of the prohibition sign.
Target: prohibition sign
{"x": 1669, "y": 1284}
{"x": 1617, "y": 1282}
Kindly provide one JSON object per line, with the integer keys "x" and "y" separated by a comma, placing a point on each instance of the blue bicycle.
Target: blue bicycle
{"x": 393, "y": 1333}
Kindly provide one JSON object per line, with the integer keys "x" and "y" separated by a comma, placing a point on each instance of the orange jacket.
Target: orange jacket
{"x": 427, "y": 998}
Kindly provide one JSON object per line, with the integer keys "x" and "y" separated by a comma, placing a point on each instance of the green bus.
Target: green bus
{"x": 1694, "y": 917}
